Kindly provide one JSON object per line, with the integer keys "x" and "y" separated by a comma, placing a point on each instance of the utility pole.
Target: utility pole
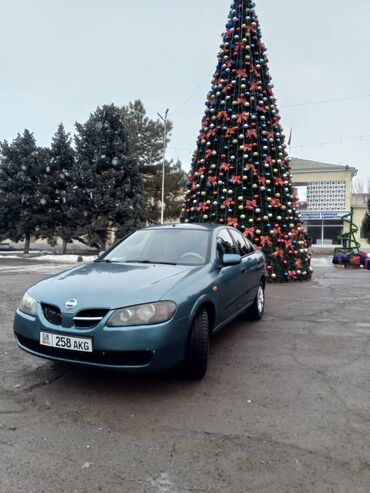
{"x": 165, "y": 121}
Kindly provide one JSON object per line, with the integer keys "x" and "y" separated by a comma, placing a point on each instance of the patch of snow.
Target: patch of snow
{"x": 13, "y": 253}
{"x": 65, "y": 259}
{"x": 39, "y": 268}
{"x": 322, "y": 261}
{"x": 163, "y": 484}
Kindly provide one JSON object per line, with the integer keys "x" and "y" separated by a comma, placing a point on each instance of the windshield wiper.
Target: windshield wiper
{"x": 111, "y": 261}
{"x": 148, "y": 262}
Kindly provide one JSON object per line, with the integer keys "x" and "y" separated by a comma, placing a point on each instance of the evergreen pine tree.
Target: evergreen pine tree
{"x": 174, "y": 185}
{"x": 366, "y": 224}
{"x": 20, "y": 168}
{"x": 240, "y": 173}
{"x": 57, "y": 191}
{"x": 4, "y": 216}
{"x": 145, "y": 136}
{"x": 108, "y": 187}
{"x": 145, "y": 139}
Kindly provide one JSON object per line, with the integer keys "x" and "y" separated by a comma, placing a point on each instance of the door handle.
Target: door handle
{"x": 243, "y": 270}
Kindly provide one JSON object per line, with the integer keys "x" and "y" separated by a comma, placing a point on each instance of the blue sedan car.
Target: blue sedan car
{"x": 150, "y": 302}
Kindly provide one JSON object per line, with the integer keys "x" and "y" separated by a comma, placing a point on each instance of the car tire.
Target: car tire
{"x": 197, "y": 351}
{"x": 257, "y": 309}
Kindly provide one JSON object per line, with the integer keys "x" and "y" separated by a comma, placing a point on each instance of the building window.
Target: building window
{"x": 315, "y": 234}
{"x": 331, "y": 234}
{"x": 325, "y": 233}
{"x": 327, "y": 196}
{"x": 362, "y": 229}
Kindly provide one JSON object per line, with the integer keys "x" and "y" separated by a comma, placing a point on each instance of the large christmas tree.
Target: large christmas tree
{"x": 240, "y": 173}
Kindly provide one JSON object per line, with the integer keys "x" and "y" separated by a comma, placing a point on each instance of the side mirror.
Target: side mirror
{"x": 100, "y": 254}
{"x": 231, "y": 259}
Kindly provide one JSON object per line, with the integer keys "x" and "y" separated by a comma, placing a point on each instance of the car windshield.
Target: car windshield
{"x": 163, "y": 246}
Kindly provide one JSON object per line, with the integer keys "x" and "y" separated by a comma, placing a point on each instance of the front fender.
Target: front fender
{"x": 204, "y": 299}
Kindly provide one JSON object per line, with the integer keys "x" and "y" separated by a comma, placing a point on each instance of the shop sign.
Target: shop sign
{"x": 322, "y": 215}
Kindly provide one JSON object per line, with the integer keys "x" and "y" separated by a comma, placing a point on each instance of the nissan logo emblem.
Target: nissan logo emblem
{"x": 70, "y": 304}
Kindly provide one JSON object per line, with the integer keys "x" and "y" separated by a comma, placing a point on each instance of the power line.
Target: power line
{"x": 296, "y": 105}
{"x": 193, "y": 93}
{"x": 324, "y": 101}
{"x": 175, "y": 129}
{"x": 299, "y": 146}
{"x": 360, "y": 137}
{"x": 180, "y": 149}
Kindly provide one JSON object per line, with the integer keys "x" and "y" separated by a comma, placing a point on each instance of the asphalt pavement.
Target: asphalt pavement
{"x": 285, "y": 406}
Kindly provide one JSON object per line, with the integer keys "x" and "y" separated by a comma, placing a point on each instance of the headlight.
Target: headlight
{"x": 28, "y": 305}
{"x": 148, "y": 314}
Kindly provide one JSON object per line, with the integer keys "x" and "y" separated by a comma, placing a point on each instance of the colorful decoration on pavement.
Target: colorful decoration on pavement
{"x": 349, "y": 254}
{"x": 240, "y": 174}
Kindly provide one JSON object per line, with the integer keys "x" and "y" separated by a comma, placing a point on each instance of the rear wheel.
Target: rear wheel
{"x": 256, "y": 311}
{"x": 196, "y": 359}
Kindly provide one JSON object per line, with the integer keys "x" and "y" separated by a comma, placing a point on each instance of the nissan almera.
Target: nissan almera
{"x": 149, "y": 303}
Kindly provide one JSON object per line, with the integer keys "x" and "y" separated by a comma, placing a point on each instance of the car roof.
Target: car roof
{"x": 203, "y": 226}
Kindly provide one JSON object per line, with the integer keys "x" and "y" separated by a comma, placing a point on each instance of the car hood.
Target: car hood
{"x": 110, "y": 285}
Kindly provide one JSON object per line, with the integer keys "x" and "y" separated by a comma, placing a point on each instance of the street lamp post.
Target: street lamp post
{"x": 165, "y": 121}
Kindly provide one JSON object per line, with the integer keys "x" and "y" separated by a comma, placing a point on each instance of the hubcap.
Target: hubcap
{"x": 260, "y": 299}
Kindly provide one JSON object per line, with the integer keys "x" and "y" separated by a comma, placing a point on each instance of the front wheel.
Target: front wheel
{"x": 196, "y": 359}
{"x": 256, "y": 311}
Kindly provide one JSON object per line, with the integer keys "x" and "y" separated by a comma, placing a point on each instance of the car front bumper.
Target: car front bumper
{"x": 141, "y": 348}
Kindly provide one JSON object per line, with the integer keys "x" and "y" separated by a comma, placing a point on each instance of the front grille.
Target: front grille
{"x": 88, "y": 319}
{"x": 110, "y": 358}
{"x": 52, "y": 314}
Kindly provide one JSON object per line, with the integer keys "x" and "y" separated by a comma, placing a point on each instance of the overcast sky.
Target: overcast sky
{"x": 59, "y": 60}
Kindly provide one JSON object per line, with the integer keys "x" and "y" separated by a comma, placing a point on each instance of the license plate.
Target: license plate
{"x": 82, "y": 344}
